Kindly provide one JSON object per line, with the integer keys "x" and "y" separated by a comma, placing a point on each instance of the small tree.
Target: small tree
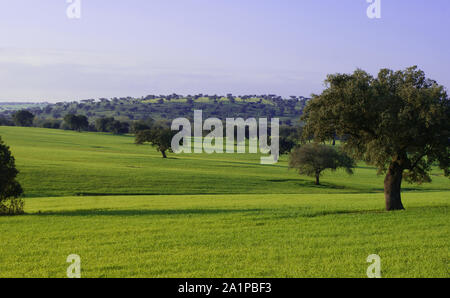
{"x": 117, "y": 127}
{"x": 76, "y": 122}
{"x": 161, "y": 138}
{"x": 313, "y": 159}
{"x": 103, "y": 124}
{"x": 23, "y": 118}
{"x": 10, "y": 189}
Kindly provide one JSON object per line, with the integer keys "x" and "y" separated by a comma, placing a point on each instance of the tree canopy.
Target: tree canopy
{"x": 159, "y": 137}
{"x": 398, "y": 122}
{"x": 313, "y": 159}
{"x": 288, "y": 138}
{"x": 10, "y": 189}
{"x": 76, "y": 122}
{"x": 23, "y": 118}
{"x": 109, "y": 124}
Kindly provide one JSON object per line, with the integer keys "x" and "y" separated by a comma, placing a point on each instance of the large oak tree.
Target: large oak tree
{"x": 398, "y": 121}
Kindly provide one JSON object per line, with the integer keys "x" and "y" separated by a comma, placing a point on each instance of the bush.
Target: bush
{"x": 10, "y": 189}
{"x": 23, "y": 118}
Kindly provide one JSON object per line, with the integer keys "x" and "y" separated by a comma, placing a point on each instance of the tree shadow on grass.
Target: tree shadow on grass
{"x": 300, "y": 212}
{"x": 379, "y": 211}
{"x": 325, "y": 185}
{"x": 312, "y": 213}
{"x": 134, "y": 212}
{"x": 308, "y": 183}
{"x": 283, "y": 180}
{"x": 366, "y": 167}
{"x": 340, "y": 212}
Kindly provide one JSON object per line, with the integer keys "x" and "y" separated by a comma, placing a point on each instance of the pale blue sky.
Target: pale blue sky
{"x": 140, "y": 47}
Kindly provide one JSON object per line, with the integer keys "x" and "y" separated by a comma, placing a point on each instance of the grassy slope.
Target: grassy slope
{"x": 293, "y": 230}
{"x": 64, "y": 163}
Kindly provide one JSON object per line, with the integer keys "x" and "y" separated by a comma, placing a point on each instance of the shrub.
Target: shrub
{"x": 10, "y": 189}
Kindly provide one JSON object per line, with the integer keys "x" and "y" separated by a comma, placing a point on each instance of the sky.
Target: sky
{"x": 140, "y": 47}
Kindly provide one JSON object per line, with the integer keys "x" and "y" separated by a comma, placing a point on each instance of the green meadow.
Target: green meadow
{"x": 130, "y": 213}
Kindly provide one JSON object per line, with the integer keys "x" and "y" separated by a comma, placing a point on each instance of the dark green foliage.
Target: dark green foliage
{"x": 117, "y": 127}
{"x": 10, "y": 189}
{"x": 76, "y": 122}
{"x": 159, "y": 137}
{"x": 103, "y": 124}
{"x": 398, "y": 121}
{"x": 5, "y": 121}
{"x": 313, "y": 159}
{"x": 111, "y": 125}
{"x": 23, "y": 118}
{"x": 141, "y": 125}
{"x": 54, "y": 124}
{"x": 289, "y": 136}
{"x": 286, "y": 145}
{"x": 160, "y": 107}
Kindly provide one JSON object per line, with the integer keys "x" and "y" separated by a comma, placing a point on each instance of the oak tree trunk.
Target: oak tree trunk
{"x": 163, "y": 152}
{"x": 392, "y": 187}
{"x": 317, "y": 179}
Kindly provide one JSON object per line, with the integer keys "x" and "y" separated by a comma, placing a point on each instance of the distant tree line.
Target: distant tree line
{"x": 109, "y": 124}
{"x": 167, "y": 107}
{"x": 158, "y": 137}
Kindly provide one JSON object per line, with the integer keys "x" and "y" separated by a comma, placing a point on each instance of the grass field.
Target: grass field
{"x": 217, "y": 215}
